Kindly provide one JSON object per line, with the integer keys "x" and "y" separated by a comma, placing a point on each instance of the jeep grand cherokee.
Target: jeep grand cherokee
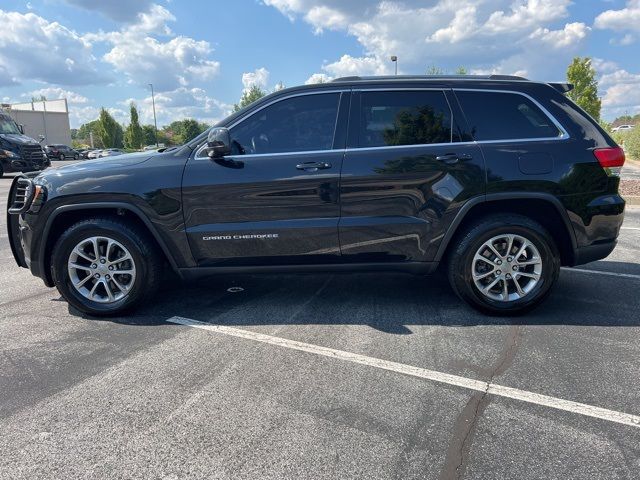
{"x": 498, "y": 179}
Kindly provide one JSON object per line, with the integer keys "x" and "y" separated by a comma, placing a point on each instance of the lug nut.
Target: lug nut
{"x": 508, "y": 276}
{"x": 93, "y": 265}
{"x": 110, "y": 267}
{"x": 509, "y": 259}
{"x": 102, "y": 260}
{"x": 108, "y": 277}
{"x": 498, "y": 272}
{"x": 97, "y": 275}
{"x": 515, "y": 268}
{"x": 499, "y": 262}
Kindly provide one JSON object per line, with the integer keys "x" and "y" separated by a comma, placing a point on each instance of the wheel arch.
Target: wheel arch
{"x": 66, "y": 215}
{"x": 543, "y": 208}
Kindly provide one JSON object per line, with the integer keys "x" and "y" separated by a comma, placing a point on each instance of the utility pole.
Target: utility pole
{"x": 394, "y": 59}
{"x": 155, "y": 122}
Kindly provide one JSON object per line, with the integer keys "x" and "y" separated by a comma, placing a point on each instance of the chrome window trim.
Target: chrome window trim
{"x": 564, "y": 134}
{"x": 276, "y": 100}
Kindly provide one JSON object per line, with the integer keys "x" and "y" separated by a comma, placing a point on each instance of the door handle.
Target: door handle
{"x": 313, "y": 166}
{"x": 451, "y": 158}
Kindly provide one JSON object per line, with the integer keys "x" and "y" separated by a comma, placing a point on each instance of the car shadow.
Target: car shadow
{"x": 389, "y": 302}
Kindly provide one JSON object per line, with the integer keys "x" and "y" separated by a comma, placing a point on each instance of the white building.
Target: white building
{"x": 49, "y": 118}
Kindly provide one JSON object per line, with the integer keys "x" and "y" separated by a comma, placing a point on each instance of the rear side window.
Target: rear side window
{"x": 505, "y": 116}
{"x": 295, "y": 124}
{"x": 391, "y": 118}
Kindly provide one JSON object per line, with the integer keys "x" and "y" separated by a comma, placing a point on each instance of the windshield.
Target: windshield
{"x": 8, "y": 126}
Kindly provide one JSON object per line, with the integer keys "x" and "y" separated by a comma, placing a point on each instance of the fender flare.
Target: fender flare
{"x": 99, "y": 205}
{"x": 461, "y": 215}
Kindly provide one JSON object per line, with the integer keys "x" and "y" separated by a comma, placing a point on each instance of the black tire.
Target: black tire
{"x": 146, "y": 258}
{"x": 1, "y": 171}
{"x": 61, "y": 157}
{"x": 76, "y": 157}
{"x": 460, "y": 263}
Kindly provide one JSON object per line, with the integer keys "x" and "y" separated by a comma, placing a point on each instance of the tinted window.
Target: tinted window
{"x": 505, "y": 116}
{"x": 404, "y": 118}
{"x": 292, "y": 125}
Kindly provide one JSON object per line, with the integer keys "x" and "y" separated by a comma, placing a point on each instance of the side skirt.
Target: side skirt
{"x": 416, "y": 268}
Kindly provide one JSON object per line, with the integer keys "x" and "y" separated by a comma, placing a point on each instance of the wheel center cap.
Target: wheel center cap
{"x": 102, "y": 269}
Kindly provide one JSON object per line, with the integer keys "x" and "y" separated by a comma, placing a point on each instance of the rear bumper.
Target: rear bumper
{"x": 595, "y": 252}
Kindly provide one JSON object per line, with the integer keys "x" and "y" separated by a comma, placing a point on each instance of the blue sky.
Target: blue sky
{"x": 200, "y": 55}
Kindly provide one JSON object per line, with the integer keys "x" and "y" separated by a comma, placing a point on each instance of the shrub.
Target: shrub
{"x": 632, "y": 143}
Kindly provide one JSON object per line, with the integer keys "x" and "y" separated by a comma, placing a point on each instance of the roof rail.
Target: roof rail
{"x": 356, "y": 78}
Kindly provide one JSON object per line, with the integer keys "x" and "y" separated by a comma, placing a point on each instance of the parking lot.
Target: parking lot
{"x": 324, "y": 376}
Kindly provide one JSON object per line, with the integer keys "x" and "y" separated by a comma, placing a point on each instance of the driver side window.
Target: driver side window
{"x": 295, "y": 124}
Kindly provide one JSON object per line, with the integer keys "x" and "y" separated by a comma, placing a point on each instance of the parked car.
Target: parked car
{"x": 497, "y": 179}
{"x": 94, "y": 154}
{"x": 19, "y": 153}
{"x": 623, "y": 128}
{"x": 153, "y": 147}
{"x": 61, "y": 152}
{"x": 84, "y": 154}
{"x": 110, "y": 152}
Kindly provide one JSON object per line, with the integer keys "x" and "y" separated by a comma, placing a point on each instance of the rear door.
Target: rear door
{"x": 275, "y": 199}
{"x": 407, "y": 171}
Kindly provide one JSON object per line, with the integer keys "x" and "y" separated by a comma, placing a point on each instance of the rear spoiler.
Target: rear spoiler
{"x": 562, "y": 87}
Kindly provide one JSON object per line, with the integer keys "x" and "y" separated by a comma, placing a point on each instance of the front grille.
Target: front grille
{"x": 32, "y": 153}
{"x": 22, "y": 196}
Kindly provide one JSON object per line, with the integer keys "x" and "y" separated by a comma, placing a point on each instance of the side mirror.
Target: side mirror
{"x": 218, "y": 142}
{"x": 21, "y": 128}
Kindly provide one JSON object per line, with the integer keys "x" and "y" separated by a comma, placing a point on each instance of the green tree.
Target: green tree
{"x": 248, "y": 97}
{"x": 585, "y": 86}
{"x": 108, "y": 130}
{"x": 148, "y": 135}
{"x": 462, "y": 70}
{"x": 133, "y": 136}
{"x": 435, "y": 70}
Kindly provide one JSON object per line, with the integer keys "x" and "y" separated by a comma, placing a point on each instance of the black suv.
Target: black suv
{"x": 498, "y": 179}
{"x": 61, "y": 152}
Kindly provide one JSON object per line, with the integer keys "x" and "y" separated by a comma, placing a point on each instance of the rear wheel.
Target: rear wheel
{"x": 105, "y": 266}
{"x": 76, "y": 157}
{"x": 504, "y": 265}
{"x": 61, "y": 157}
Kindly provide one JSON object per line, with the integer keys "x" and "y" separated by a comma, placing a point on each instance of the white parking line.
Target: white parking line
{"x": 599, "y": 272}
{"x": 468, "y": 383}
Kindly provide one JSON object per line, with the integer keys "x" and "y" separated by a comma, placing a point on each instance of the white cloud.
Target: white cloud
{"x": 32, "y": 48}
{"x": 625, "y": 19}
{"x": 318, "y": 78}
{"x": 54, "y": 93}
{"x": 496, "y": 34}
{"x": 259, "y": 78}
{"x": 143, "y": 58}
{"x": 179, "y": 104}
{"x": 120, "y": 10}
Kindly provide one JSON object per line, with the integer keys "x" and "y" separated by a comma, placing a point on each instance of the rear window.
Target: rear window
{"x": 390, "y": 118}
{"x": 505, "y": 116}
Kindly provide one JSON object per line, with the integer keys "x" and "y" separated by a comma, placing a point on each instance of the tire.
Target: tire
{"x": 144, "y": 266}
{"x": 540, "y": 259}
{"x": 61, "y": 157}
{"x": 1, "y": 171}
{"x": 76, "y": 157}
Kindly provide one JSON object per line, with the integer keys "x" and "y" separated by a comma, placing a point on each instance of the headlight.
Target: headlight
{"x": 8, "y": 154}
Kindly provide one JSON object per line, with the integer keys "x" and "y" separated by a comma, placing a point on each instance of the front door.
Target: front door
{"x": 407, "y": 170}
{"x": 275, "y": 199}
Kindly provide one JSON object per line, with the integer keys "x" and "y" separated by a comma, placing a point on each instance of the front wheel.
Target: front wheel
{"x": 504, "y": 265}
{"x": 76, "y": 157}
{"x": 105, "y": 266}
{"x": 61, "y": 157}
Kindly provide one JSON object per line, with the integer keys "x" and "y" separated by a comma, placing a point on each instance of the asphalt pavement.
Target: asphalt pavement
{"x": 324, "y": 376}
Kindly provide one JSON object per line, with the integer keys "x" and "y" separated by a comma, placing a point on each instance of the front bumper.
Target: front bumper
{"x": 18, "y": 165}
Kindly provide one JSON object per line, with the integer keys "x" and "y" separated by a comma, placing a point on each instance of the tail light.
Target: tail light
{"x": 611, "y": 159}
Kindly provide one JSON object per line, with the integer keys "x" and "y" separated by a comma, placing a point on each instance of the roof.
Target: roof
{"x": 430, "y": 77}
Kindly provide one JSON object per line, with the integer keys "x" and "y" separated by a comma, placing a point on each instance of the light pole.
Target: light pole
{"x": 155, "y": 122}
{"x": 394, "y": 59}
